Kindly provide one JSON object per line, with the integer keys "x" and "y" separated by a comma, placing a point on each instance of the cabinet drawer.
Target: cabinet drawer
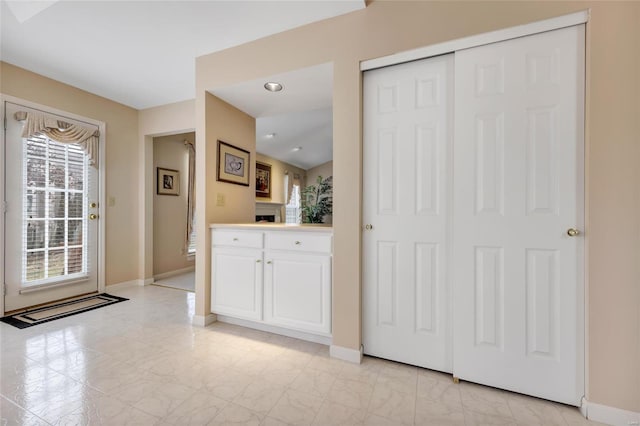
{"x": 298, "y": 241}
{"x": 235, "y": 238}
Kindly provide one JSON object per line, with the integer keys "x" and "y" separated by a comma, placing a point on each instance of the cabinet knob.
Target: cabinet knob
{"x": 368, "y": 227}
{"x": 298, "y": 243}
{"x": 268, "y": 262}
{"x": 258, "y": 261}
{"x": 235, "y": 239}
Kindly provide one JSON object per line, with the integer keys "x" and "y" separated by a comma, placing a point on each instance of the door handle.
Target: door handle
{"x": 368, "y": 227}
{"x": 572, "y": 232}
{"x": 93, "y": 216}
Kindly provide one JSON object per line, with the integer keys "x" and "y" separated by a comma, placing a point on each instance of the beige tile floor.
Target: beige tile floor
{"x": 141, "y": 362}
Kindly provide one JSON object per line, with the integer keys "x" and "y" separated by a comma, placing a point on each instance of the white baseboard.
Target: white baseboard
{"x": 203, "y": 321}
{"x": 346, "y": 354}
{"x": 124, "y": 284}
{"x": 610, "y": 415}
{"x": 173, "y": 273}
{"x": 309, "y": 337}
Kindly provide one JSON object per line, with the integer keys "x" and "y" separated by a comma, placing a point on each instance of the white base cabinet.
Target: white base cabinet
{"x": 297, "y": 291}
{"x": 237, "y": 273}
{"x": 280, "y": 276}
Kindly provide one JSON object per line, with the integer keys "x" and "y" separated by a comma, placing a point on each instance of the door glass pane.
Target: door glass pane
{"x": 76, "y": 175}
{"x": 56, "y": 233}
{"x": 35, "y": 234}
{"x": 35, "y": 265}
{"x": 74, "y": 236}
{"x": 76, "y": 205}
{"x": 75, "y": 260}
{"x": 35, "y": 204}
{"x": 54, "y": 209}
{"x": 36, "y": 172}
{"x": 56, "y": 263}
{"x": 57, "y": 174}
{"x": 56, "y": 204}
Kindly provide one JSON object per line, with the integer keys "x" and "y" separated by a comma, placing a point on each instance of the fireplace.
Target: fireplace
{"x": 268, "y": 212}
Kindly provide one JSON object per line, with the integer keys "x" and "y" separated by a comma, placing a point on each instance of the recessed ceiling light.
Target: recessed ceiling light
{"x": 297, "y": 148}
{"x": 272, "y": 86}
{"x": 270, "y": 135}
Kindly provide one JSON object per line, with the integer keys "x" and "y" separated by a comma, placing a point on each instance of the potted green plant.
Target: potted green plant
{"x": 317, "y": 200}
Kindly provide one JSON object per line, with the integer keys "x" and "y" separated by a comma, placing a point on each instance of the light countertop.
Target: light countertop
{"x": 270, "y": 226}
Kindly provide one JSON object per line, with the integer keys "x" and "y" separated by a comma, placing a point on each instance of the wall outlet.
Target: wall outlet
{"x": 111, "y": 201}
{"x": 220, "y": 200}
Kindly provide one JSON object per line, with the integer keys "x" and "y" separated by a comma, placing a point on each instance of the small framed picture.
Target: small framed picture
{"x": 263, "y": 180}
{"x": 168, "y": 182}
{"x": 233, "y": 164}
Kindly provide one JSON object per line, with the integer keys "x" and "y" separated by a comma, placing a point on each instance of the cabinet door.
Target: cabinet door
{"x": 298, "y": 291}
{"x": 236, "y": 282}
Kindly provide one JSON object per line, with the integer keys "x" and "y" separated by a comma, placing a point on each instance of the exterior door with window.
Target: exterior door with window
{"x": 51, "y": 218}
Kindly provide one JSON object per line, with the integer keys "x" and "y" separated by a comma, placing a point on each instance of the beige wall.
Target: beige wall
{"x": 170, "y": 212}
{"x": 278, "y": 169}
{"x": 325, "y": 170}
{"x": 384, "y": 28}
{"x": 121, "y": 161}
{"x": 228, "y": 124}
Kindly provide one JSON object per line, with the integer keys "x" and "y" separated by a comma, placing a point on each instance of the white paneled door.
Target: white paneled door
{"x": 407, "y": 144}
{"x": 51, "y": 217}
{"x": 517, "y": 269}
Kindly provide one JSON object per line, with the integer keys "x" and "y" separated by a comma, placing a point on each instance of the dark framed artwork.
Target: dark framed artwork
{"x": 168, "y": 181}
{"x": 233, "y": 164}
{"x": 263, "y": 180}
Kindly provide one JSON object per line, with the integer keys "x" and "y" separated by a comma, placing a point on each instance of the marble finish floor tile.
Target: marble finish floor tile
{"x": 141, "y": 362}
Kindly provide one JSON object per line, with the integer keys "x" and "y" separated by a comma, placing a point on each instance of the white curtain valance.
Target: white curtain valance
{"x": 61, "y": 131}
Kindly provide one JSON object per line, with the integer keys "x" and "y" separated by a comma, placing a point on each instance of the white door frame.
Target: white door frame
{"x": 556, "y": 23}
{"x": 563, "y": 21}
{"x": 101, "y": 185}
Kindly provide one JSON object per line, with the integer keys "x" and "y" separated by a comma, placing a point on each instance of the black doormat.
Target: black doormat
{"x": 61, "y": 310}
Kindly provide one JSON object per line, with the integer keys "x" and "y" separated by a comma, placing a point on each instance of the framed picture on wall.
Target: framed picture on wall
{"x": 263, "y": 180}
{"x": 233, "y": 164}
{"x": 168, "y": 181}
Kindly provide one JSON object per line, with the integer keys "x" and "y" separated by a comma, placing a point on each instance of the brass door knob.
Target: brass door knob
{"x": 572, "y": 232}
{"x": 93, "y": 216}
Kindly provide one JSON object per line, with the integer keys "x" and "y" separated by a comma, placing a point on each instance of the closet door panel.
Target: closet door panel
{"x": 407, "y": 151}
{"x": 518, "y": 188}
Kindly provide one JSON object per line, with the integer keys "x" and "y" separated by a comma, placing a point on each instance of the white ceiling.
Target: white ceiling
{"x": 300, "y": 116}
{"x": 142, "y": 53}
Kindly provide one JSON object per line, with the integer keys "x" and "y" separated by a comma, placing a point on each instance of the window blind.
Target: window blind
{"x": 54, "y": 211}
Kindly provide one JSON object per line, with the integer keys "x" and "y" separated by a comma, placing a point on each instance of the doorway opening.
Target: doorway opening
{"x": 173, "y": 208}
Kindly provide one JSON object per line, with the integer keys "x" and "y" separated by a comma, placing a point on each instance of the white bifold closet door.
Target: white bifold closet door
{"x": 407, "y": 146}
{"x": 518, "y": 158}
